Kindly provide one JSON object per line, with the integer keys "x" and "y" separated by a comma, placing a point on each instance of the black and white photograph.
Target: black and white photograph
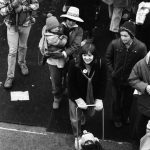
{"x": 74, "y": 75}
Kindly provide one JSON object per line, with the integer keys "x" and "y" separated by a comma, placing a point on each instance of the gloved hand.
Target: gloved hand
{"x": 15, "y": 3}
{"x": 98, "y": 104}
{"x": 81, "y": 103}
{"x": 19, "y": 9}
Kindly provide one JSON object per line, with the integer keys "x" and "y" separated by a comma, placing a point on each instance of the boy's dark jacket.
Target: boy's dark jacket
{"x": 121, "y": 60}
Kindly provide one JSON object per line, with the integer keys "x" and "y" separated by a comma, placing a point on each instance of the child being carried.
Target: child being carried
{"x": 53, "y": 42}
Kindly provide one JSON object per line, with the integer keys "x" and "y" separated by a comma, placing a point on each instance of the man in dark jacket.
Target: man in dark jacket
{"x": 121, "y": 56}
{"x": 18, "y": 19}
{"x": 139, "y": 79}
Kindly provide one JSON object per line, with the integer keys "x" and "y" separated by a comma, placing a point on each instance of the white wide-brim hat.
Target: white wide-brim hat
{"x": 73, "y": 13}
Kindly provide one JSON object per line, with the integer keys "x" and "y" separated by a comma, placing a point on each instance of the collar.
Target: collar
{"x": 75, "y": 26}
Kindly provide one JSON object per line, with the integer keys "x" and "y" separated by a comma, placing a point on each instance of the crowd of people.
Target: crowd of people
{"x": 76, "y": 69}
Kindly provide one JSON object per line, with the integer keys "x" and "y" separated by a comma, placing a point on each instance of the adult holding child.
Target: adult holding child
{"x": 74, "y": 32}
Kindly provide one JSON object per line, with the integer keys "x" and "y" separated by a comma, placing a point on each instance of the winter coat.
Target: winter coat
{"x": 77, "y": 82}
{"x": 25, "y": 17}
{"x": 121, "y": 60}
{"x": 75, "y": 36}
{"x": 139, "y": 79}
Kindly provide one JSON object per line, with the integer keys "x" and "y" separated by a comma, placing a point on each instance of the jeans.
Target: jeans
{"x": 75, "y": 121}
{"x": 57, "y": 80}
{"x": 115, "y": 19}
{"x": 17, "y": 41}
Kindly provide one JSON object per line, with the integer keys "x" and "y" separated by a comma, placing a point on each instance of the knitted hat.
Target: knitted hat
{"x": 51, "y": 22}
{"x": 129, "y": 26}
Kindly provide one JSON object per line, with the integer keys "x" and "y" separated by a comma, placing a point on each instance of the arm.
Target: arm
{"x": 72, "y": 83}
{"x": 75, "y": 45}
{"x": 99, "y": 93}
{"x": 135, "y": 79}
{"x": 110, "y": 57}
{"x": 7, "y": 7}
{"x": 73, "y": 88}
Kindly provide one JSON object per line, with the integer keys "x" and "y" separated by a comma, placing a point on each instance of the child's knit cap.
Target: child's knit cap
{"x": 51, "y": 22}
{"x": 129, "y": 26}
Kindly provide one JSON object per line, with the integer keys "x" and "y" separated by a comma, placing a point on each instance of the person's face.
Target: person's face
{"x": 87, "y": 58}
{"x": 70, "y": 23}
{"x": 55, "y": 29}
{"x": 125, "y": 37}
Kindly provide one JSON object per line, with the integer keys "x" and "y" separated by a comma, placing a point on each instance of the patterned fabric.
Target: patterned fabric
{"x": 24, "y": 17}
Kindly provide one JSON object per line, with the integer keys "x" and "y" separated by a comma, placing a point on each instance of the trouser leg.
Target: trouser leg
{"x": 12, "y": 38}
{"x": 75, "y": 120}
{"x": 22, "y": 50}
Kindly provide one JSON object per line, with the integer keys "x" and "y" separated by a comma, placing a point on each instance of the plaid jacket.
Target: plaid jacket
{"x": 24, "y": 17}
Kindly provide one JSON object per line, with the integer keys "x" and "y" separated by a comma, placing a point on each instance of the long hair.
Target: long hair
{"x": 88, "y": 47}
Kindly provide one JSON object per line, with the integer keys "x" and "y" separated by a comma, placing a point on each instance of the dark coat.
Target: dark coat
{"x": 121, "y": 60}
{"x": 75, "y": 37}
{"x": 139, "y": 79}
{"x": 77, "y": 83}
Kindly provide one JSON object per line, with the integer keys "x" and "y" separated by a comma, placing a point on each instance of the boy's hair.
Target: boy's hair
{"x": 92, "y": 146}
{"x": 88, "y": 47}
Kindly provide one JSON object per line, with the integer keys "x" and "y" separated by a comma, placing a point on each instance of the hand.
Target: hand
{"x": 148, "y": 89}
{"x": 98, "y": 104}
{"x": 19, "y": 9}
{"x": 15, "y": 3}
{"x": 81, "y": 103}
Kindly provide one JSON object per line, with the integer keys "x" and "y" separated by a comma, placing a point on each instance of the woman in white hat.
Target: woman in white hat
{"x": 74, "y": 33}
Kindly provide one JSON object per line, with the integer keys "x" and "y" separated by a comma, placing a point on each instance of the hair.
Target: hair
{"x": 93, "y": 146}
{"x": 121, "y": 30}
{"x": 88, "y": 47}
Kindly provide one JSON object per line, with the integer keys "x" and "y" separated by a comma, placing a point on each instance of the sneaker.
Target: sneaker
{"x": 8, "y": 83}
{"x": 24, "y": 69}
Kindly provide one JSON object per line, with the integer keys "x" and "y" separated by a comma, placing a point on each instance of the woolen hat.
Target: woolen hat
{"x": 73, "y": 13}
{"x": 51, "y": 22}
{"x": 129, "y": 26}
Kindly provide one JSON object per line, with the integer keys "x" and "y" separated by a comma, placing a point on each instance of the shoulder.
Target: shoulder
{"x": 139, "y": 43}
{"x": 141, "y": 63}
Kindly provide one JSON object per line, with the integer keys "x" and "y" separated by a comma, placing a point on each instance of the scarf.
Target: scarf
{"x": 89, "y": 94}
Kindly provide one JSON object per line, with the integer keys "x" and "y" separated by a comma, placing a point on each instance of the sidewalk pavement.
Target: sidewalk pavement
{"x": 22, "y": 137}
